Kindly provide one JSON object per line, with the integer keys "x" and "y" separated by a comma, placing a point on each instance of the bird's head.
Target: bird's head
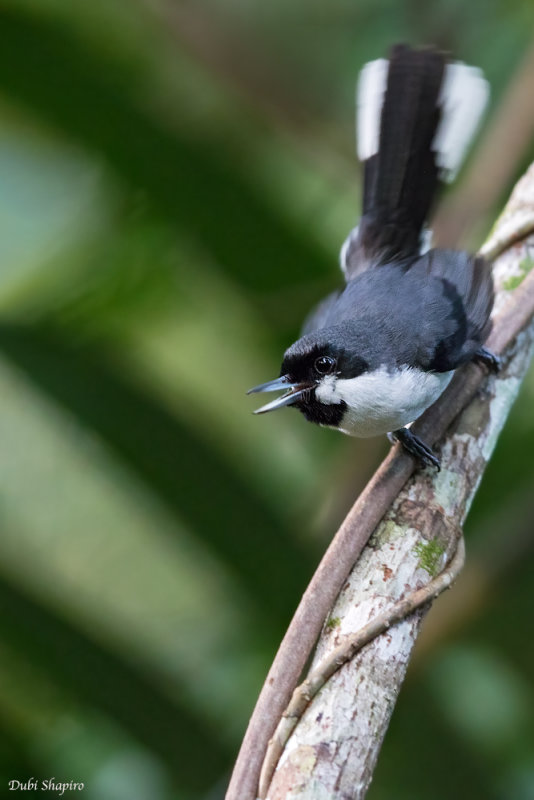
{"x": 313, "y": 372}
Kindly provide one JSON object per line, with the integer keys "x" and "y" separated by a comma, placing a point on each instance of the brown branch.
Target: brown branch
{"x": 365, "y": 515}
{"x": 336, "y": 743}
{"x": 315, "y": 681}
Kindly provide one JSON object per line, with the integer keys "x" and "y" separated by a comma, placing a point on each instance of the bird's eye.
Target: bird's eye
{"x": 324, "y": 365}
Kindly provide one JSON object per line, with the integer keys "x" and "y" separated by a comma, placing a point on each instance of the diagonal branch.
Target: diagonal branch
{"x": 346, "y": 651}
{"x": 410, "y": 511}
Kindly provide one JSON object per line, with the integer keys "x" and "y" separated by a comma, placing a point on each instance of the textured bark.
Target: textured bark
{"x": 345, "y": 652}
{"x": 333, "y": 750}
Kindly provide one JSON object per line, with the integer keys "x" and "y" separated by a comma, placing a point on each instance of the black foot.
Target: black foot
{"x": 415, "y": 447}
{"x": 489, "y": 359}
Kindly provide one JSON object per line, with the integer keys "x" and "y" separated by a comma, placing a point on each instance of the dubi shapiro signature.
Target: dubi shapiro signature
{"x": 49, "y": 785}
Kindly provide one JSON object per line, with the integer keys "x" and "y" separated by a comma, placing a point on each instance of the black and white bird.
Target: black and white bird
{"x": 377, "y": 353}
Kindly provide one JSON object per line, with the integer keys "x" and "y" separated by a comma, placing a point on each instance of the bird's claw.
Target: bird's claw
{"x": 489, "y": 359}
{"x": 415, "y": 447}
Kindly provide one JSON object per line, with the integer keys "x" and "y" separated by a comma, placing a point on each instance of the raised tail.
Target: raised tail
{"x": 416, "y": 116}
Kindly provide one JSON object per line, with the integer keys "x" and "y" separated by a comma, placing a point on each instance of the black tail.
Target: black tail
{"x": 401, "y": 180}
{"x": 416, "y": 116}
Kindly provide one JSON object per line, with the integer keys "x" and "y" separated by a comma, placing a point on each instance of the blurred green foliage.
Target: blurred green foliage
{"x": 176, "y": 181}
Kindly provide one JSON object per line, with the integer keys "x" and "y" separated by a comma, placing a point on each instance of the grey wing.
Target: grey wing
{"x": 319, "y": 316}
{"x": 458, "y": 300}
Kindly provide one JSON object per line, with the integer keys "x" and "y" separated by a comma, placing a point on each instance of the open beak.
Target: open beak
{"x": 293, "y": 393}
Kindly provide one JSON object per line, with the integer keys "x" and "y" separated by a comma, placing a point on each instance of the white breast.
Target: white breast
{"x": 382, "y": 401}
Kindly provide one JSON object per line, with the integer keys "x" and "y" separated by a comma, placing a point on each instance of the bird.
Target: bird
{"x": 375, "y": 354}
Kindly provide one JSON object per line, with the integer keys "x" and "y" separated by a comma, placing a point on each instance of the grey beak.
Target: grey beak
{"x": 296, "y": 390}
{"x": 286, "y": 400}
{"x": 278, "y": 385}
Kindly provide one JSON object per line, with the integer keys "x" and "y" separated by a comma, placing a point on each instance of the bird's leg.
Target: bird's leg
{"x": 489, "y": 359}
{"x": 415, "y": 447}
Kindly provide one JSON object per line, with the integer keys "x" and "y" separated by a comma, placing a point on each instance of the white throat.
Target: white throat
{"x": 382, "y": 401}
